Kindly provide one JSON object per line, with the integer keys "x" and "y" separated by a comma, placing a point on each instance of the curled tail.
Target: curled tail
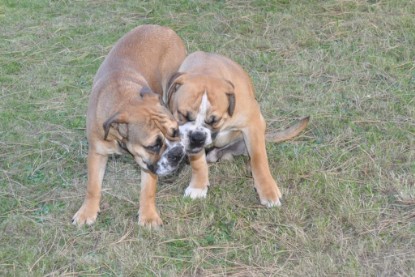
{"x": 289, "y": 133}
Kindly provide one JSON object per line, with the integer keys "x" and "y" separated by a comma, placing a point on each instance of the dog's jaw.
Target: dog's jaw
{"x": 171, "y": 158}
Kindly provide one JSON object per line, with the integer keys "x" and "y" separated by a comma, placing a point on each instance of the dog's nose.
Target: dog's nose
{"x": 176, "y": 154}
{"x": 197, "y": 139}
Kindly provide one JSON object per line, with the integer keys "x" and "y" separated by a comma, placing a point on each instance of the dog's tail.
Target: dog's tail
{"x": 289, "y": 133}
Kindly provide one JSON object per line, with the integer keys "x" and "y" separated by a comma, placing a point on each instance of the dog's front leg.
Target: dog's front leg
{"x": 90, "y": 208}
{"x": 148, "y": 215}
{"x": 267, "y": 188}
{"x": 200, "y": 180}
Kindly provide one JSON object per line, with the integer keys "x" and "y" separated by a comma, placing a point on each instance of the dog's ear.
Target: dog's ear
{"x": 231, "y": 98}
{"x": 173, "y": 85}
{"x": 117, "y": 121}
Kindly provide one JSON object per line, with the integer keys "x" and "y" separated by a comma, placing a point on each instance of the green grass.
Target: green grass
{"x": 348, "y": 181}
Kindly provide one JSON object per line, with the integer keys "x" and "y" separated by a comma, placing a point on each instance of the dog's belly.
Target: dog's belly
{"x": 226, "y": 137}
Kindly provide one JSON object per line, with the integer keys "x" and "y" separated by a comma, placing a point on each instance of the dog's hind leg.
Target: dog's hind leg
{"x": 264, "y": 183}
{"x": 235, "y": 148}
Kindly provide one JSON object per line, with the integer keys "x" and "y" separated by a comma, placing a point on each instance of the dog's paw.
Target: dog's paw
{"x": 152, "y": 221}
{"x": 271, "y": 203}
{"x": 86, "y": 214}
{"x": 270, "y": 198}
{"x": 195, "y": 193}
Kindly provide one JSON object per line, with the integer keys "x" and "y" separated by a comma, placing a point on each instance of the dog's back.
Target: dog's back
{"x": 152, "y": 51}
{"x": 219, "y": 66}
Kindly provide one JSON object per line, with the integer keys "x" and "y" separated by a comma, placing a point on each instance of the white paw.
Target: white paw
{"x": 271, "y": 203}
{"x": 195, "y": 193}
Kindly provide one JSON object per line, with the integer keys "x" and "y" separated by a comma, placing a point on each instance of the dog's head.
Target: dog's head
{"x": 147, "y": 130}
{"x": 201, "y": 104}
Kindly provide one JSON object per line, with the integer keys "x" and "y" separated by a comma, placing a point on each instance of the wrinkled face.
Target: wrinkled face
{"x": 153, "y": 150}
{"x": 148, "y": 131}
{"x": 201, "y": 105}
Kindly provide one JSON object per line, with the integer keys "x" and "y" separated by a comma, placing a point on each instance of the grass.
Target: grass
{"x": 348, "y": 182}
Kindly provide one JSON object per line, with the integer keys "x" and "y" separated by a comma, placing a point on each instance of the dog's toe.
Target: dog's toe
{"x": 151, "y": 222}
{"x": 86, "y": 214}
{"x": 271, "y": 203}
{"x": 195, "y": 193}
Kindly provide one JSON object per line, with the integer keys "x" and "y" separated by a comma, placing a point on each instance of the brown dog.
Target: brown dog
{"x": 213, "y": 99}
{"x": 125, "y": 114}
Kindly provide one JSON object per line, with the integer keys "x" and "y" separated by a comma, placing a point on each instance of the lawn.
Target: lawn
{"x": 348, "y": 181}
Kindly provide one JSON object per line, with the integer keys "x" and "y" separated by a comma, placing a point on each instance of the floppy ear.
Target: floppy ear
{"x": 173, "y": 85}
{"x": 118, "y": 121}
{"x": 231, "y": 100}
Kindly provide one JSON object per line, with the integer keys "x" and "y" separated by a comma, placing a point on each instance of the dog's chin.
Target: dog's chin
{"x": 162, "y": 173}
{"x": 194, "y": 151}
{"x": 167, "y": 170}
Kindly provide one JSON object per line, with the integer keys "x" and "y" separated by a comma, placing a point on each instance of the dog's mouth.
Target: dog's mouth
{"x": 152, "y": 168}
{"x": 170, "y": 160}
{"x": 169, "y": 167}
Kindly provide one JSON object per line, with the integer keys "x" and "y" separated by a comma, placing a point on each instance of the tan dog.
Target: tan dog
{"x": 125, "y": 114}
{"x": 213, "y": 99}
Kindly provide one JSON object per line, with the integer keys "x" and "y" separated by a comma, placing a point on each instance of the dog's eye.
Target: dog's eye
{"x": 187, "y": 116}
{"x": 156, "y": 146}
{"x": 212, "y": 120}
